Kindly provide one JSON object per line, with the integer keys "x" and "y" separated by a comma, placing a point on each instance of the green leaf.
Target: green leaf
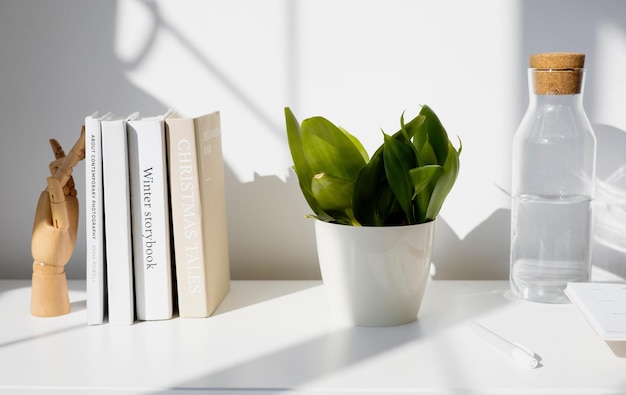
{"x": 411, "y": 128}
{"x": 399, "y": 157}
{"x": 300, "y": 165}
{"x": 357, "y": 144}
{"x": 372, "y": 200}
{"x": 432, "y": 132}
{"x": 333, "y": 195}
{"x": 431, "y": 142}
{"x": 329, "y": 150}
{"x": 317, "y": 146}
{"x": 422, "y": 176}
{"x": 427, "y": 155}
{"x": 444, "y": 182}
{"x": 403, "y": 129}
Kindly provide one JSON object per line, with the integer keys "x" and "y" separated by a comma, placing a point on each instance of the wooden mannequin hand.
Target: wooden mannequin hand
{"x": 56, "y": 218}
{"x": 54, "y": 233}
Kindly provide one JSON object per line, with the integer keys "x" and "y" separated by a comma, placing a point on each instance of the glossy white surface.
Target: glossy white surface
{"x": 272, "y": 337}
{"x": 375, "y": 276}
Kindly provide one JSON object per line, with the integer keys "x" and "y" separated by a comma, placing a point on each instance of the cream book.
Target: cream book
{"x": 198, "y": 204}
{"x": 150, "y": 218}
{"x": 95, "y": 257}
{"x": 119, "y": 253}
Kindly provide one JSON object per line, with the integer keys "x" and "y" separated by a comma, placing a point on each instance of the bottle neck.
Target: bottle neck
{"x": 574, "y": 101}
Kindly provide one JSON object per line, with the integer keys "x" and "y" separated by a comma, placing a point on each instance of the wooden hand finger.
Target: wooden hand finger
{"x": 57, "y": 149}
{"x": 66, "y": 166}
{"x": 58, "y": 208}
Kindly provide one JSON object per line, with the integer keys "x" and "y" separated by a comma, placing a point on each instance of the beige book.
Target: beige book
{"x": 198, "y": 204}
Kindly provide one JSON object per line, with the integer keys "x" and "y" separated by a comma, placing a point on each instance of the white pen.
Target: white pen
{"x": 516, "y": 351}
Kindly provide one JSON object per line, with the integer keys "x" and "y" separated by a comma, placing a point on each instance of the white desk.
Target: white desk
{"x": 278, "y": 337}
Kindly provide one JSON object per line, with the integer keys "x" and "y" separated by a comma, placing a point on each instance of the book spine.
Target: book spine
{"x": 150, "y": 219}
{"x": 186, "y": 218}
{"x": 95, "y": 268}
{"x": 117, "y": 223}
{"x": 213, "y": 201}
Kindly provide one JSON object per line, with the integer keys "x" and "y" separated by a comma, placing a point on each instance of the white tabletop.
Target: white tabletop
{"x": 272, "y": 337}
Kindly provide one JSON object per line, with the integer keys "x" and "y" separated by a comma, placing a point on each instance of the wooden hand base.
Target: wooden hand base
{"x": 49, "y": 296}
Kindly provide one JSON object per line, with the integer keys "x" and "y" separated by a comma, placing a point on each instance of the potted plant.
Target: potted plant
{"x": 375, "y": 215}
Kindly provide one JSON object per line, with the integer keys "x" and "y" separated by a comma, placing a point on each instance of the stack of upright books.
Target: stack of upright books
{"x": 155, "y": 217}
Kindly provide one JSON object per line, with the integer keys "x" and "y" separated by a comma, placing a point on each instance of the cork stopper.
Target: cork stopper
{"x": 557, "y": 73}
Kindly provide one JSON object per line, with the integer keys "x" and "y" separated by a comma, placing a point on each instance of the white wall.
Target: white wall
{"x": 359, "y": 63}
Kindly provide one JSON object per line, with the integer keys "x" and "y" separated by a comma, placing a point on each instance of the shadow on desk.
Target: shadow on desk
{"x": 248, "y": 293}
{"x": 17, "y": 308}
{"x": 303, "y": 363}
{"x": 77, "y": 302}
{"x": 618, "y": 348}
{"x": 338, "y": 348}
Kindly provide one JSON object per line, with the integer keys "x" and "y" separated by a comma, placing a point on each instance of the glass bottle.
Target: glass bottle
{"x": 554, "y": 153}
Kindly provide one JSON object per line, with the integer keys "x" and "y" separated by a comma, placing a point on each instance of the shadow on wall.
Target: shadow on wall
{"x": 482, "y": 255}
{"x": 47, "y": 89}
{"x": 269, "y": 236}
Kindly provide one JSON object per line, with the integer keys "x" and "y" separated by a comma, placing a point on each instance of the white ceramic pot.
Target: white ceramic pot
{"x": 375, "y": 276}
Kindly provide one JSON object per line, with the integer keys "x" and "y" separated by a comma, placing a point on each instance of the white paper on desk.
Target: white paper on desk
{"x": 603, "y": 305}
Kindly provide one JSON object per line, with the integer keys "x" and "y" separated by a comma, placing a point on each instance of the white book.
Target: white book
{"x": 150, "y": 218}
{"x": 95, "y": 269}
{"x": 603, "y": 305}
{"x": 119, "y": 254}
